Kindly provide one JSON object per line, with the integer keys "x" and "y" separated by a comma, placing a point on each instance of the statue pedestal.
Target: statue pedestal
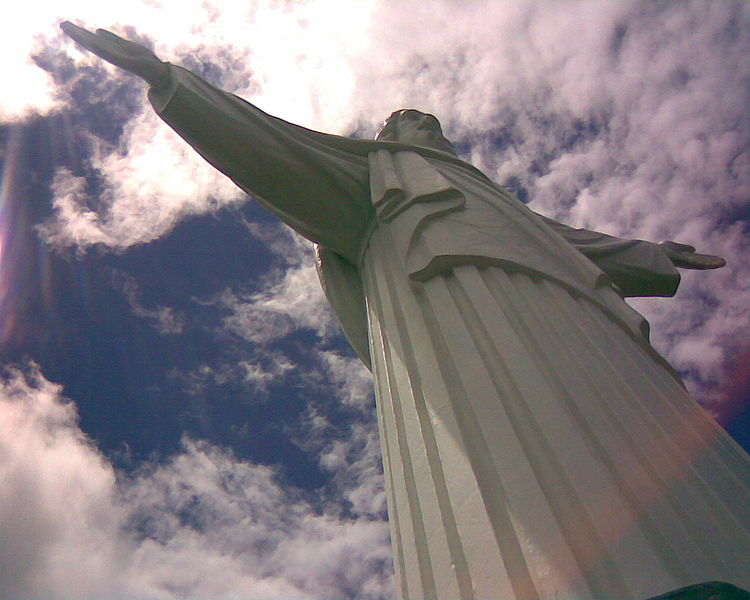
{"x": 710, "y": 590}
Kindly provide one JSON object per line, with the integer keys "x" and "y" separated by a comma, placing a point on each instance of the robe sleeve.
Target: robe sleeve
{"x": 637, "y": 267}
{"x": 312, "y": 181}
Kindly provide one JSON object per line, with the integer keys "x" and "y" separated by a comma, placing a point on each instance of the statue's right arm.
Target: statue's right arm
{"x": 319, "y": 191}
{"x": 312, "y": 181}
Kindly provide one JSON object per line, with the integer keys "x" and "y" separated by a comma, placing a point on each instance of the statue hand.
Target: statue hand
{"x": 685, "y": 257}
{"x": 122, "y": 53}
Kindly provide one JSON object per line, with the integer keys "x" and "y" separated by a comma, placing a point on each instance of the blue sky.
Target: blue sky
{"x": 180, "y": 416}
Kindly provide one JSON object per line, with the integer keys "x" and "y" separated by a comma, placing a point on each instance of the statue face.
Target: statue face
{"x": 413, "y": 127}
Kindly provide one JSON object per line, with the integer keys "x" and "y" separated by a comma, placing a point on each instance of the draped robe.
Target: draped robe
{"x": 534, "y": 444}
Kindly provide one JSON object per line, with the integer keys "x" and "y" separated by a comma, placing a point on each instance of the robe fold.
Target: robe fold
{"x": 534, "y": 445}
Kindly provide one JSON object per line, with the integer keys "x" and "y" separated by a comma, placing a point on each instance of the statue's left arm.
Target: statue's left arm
{"x": 637, "y": 267}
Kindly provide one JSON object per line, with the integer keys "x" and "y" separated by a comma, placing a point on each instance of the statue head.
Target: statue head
{"x": 410, "y": 126}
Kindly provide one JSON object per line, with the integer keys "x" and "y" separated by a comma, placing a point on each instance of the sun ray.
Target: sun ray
{"x": 11, "y": 162}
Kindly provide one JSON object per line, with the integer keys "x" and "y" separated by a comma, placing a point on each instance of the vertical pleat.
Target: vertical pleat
{"x": 453, "y": 548}
{"x": 580, "y": 385}
{"x": 486, "y": 484}
{"x": 416, "y": 433}
{"x": 544, "y": 431}
{"x": 410, "y": 502}
{"x": 391, "y": 457}
{"x": 645, "y": 396}
{"x": 700, "y": 468}
{"x": 534, "y": 450}
{"x": 683, "y": 550}
{"x": 713, "y": 453}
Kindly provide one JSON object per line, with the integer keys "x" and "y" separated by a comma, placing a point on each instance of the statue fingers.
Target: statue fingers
{"x": 131, "y": 56}
{"x": 700, "y": 261}
{"x": 103, "y": 46}
{"x": 113, "y": 37}
{"x": 685, "y": 247}
{"x": 80, "y": 35}
{"x": 677, "y": 248}
{"x": 684, "y": 256}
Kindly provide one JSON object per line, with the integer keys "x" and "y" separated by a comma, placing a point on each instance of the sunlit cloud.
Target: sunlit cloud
{"x": 152, "y": 182}
{"x": 291, "y": 299}
{"x": 200, "y": 524}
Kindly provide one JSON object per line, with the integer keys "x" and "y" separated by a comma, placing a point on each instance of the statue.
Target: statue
{"x": 535, "y": 446}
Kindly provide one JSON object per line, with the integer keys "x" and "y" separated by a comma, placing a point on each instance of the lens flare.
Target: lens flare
{"x": 11, "y": 163}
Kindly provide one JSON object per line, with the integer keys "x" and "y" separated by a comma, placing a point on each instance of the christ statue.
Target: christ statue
{"x": 535, "y": 445}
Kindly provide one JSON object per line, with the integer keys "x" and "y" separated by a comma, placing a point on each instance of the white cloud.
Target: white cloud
{"x": 28, "y": 89}
{"x": 352, "y": 379}
{"x": 257, "y": 373}
{"x": 201, "y": 524}
{"x": 349, "y": 451}
{"x": 353, "y": 457}
{"x": 153, "y": 179}
{"x": 55, "y": 499}
{"x": 151, "y": 182}
{"x": 260, "y": 375}
{"x": 290, "y": 299}
{"x": 163, "y": 318}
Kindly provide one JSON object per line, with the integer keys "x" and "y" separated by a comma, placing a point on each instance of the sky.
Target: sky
{"x": 180, "y": 415}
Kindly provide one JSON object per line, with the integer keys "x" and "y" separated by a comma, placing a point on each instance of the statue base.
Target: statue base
{"x": 709, "y": 590}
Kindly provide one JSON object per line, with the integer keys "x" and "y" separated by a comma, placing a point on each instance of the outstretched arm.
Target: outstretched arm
{"x": 637, "y": 267}
{"x": 125, "y": 54}
{"x": 685, "y": 257}
{"x": 314, "y": 182}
